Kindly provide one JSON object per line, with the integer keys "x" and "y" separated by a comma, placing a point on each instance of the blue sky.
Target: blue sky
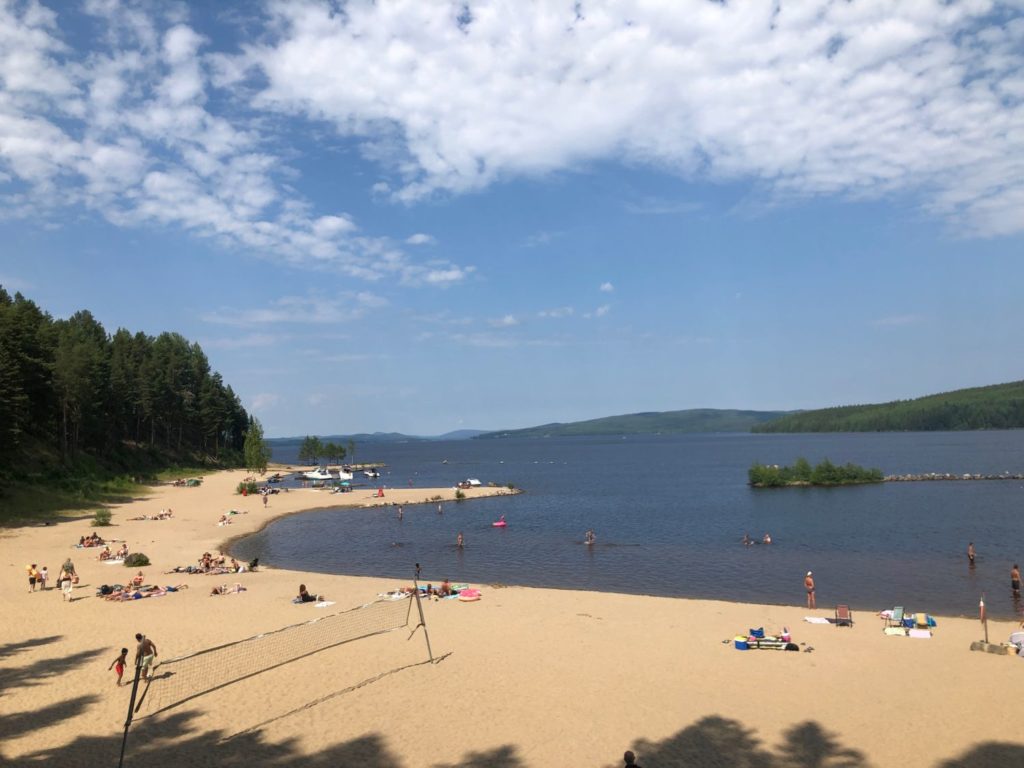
{"x": 421, "y": 217}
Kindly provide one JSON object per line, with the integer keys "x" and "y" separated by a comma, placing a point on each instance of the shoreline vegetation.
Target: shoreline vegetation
{"x": 802, "y": 474}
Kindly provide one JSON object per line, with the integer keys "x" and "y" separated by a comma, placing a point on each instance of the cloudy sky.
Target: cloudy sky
{"x": 425, "y": 216}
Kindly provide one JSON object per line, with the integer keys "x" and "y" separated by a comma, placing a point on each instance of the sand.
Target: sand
{"x": 529, "y": 677}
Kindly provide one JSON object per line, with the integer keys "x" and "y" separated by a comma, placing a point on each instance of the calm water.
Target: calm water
{"x": 670, "y": 511}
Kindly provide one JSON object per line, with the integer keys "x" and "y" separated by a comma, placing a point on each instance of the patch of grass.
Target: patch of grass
{"x": 28, "y": 503}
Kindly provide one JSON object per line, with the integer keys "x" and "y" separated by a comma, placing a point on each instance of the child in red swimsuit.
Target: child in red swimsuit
{"x": 118, "y": 665}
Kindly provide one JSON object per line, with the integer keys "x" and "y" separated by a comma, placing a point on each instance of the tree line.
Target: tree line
{"x": 70, "y": 388}
{"x": 1000, "y": 406}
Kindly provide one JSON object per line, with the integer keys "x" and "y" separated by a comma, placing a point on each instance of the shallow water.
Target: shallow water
{"x": 670, "y": 512}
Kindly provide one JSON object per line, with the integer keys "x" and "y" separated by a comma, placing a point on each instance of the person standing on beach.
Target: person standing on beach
{"x": 1015, "y": 580}
{"x": 970, "y": 553}
{"x": 146, "y": 652}
{"x": 417, "y": 571}
{"x": 118, "y": 665}
{"x": 33, "y": 576}
{"x": 809, "y": 586}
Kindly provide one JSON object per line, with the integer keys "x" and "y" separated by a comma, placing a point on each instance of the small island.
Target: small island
{"x": 802, "y": 474}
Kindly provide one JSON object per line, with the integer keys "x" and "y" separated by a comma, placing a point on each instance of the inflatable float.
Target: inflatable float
{"x": 469, "y": 595}
{"x": 499, "y": 524}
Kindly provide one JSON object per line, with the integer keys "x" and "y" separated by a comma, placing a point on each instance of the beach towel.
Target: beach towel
{"x": 816, "y": 620}
{"x": 324, "y": 603}
{"x": 920, "y": 634}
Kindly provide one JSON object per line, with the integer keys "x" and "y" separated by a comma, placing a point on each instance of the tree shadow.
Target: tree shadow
{"x": 20, "y": 723}
{"x": 711, "y": 741}
{"x": 991, "y": 754}
{"x": 718, "y": 741}
{"x": 9, "y": 649}
{"x": 175, "y": 740}
{"x": 501, "y": 757}
{"x": 39, "y": 672}
{"x": 808, "y": 745}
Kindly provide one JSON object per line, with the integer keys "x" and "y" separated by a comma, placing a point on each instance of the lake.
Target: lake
{"x": 670, "y": 512}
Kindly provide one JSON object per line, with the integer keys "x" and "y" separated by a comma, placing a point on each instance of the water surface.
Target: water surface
{"x": 670, "y": 513}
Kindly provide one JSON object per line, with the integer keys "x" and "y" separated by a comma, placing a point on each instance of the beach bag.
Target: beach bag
{"x": 74, "y": 579}
{"x": 758, "y": 633}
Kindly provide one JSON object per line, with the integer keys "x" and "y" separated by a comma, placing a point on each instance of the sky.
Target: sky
{"x": 427, "y": 216}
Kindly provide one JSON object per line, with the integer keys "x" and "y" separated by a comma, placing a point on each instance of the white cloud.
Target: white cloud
{"x": 420, "y": 239}
{"x": 857, "y": 99}
{"x": 300, "y": 309}
{"x": 658, "y": 206}
{"x": 263, "y": 401}
{"x": 506, "y": 321}
{"x": 135, "y": 130}
{"x": 606, "y": 288}
{"x": 601, "y": 311}
{"x": 557, "y": 312}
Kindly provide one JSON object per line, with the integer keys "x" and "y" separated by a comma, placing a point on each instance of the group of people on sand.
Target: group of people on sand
{"x": 163, "y": 514}
{"x": 121, "y": 553}
{"x": 211, "y": 565}
{"x": 92, "y": 540}
{"x": 37, "y": 577}
{"x": 225, "y": 519}
{"x": 224, "y": 589}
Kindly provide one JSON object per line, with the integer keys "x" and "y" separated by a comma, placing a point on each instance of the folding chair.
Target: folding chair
{"x": 843, "y": 616}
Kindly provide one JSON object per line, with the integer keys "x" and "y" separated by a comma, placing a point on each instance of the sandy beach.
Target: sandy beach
{"x": 527, "y": 677}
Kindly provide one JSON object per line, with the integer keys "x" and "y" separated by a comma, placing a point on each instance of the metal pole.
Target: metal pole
{"x": 984, "y": 616}
{"x": 423, "y": 621}
{"x": 131, "y": 703}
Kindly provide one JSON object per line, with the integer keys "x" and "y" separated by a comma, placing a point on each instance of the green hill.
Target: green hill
{"x": 660, "y": 422}
{"x": 999, "y": 406}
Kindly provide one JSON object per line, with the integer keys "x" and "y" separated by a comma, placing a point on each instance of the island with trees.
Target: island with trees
{"x": 802, "y": 473}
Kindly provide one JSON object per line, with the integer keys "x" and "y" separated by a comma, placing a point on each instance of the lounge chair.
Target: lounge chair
{"x": 894, "y": 622}
{"x": 843, "y": 616}
{"x": 921, "y": 620}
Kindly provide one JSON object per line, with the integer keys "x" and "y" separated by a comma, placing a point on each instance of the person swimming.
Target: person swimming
{"x": 589, "y": 537}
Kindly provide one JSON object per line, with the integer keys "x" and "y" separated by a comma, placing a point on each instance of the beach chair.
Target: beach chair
{"x": 921, "y": 620}
{"x": 843, "y": 616}
{"x": 896, "y": 620}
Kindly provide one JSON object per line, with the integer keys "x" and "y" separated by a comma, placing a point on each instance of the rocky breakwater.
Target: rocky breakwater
{"x": 950, "y": 476}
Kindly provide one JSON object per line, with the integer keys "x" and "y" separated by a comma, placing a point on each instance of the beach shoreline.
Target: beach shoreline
{"x": 522, "y": 660}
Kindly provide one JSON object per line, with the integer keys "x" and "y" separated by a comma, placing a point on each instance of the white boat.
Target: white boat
{"x": 320, "y": 473}
{"x": 372, "y": 473}
{"x": 343, "y": 475}
{"x": 472, "y": 481}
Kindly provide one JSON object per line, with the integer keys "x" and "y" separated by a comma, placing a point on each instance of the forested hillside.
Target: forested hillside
{"x": 74, "y": 396}
{"x": 651, "y": 423}
{"x": 1000, "y": 406}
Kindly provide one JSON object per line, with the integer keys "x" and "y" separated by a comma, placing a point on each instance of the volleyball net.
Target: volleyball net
{"x": 187, "y": 677}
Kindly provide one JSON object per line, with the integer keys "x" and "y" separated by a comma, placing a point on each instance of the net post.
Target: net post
{"x": 131, "y": 703}
{"x": 423, "y": 621}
